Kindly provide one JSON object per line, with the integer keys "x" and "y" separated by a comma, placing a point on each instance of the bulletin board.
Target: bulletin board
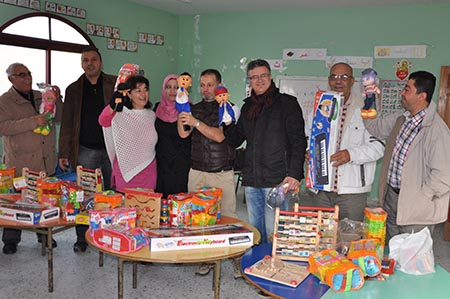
{"x": 390, "y": 95}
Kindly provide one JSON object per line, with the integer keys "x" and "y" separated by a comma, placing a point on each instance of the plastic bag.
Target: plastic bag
{"x": 279, "y": 194}
{"x": 413, "y": 253}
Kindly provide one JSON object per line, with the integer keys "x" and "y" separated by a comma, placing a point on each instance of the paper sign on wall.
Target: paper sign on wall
{"x": 414, "y": 51}
{"x": 275, "y": 64}
{"x": 356, "y": 62}
{"x": 304, "y": 54}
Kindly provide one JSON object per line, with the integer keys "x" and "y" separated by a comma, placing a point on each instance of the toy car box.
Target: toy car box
{"x": 28, "y": 213}
{"x": 226, "y": 235}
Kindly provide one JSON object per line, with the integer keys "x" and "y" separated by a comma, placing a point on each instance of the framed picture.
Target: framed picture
{"x": 132, "y": 46}
{"x": 152, "y": 39}
{"x": 23, "y": 3}
{"x": 107, "y": 31}
{"x": 50, "y": 6}
{"x": 99, "y": 30}
{"x": 61, "y": 9}
{"x": 71, "y": 11}
{"x": 160, "y": 40}
{"x": 90, "y": 29}
{"x": 81, "y": 13}
{"x": 142, "y": 37}
{"x": 35, "y": 4}
{"x": 111, "y": 44}
{"x": 14, "y": 2}
{"x": 116, "y": 33}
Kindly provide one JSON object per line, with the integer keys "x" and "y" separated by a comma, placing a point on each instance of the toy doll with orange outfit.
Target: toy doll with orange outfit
{"x": 369, "y": 84}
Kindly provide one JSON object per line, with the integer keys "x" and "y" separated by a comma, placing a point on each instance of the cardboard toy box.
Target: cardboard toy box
{"x": 226, "y": 235}
{"x": 123, "y": 217}
{"x": 121, "y": 240}
{"x": 147, "y": 204}
{"x": 28, "y": 213}
{"x": 324, "y": 134}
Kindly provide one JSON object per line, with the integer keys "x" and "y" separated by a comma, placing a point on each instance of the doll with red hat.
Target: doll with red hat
{"x": 226, "y": 112}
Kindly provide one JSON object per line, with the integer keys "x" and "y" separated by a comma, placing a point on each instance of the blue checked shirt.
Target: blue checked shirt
{"x": 408, "y": 132}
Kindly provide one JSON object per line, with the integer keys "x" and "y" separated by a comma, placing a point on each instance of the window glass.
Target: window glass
{"x": 60, "y": 31}
{"x": 32, "y": 27}
{"x": 66, "y": 68}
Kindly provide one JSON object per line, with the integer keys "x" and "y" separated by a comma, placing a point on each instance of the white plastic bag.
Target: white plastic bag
{"x": 413, "y": 253}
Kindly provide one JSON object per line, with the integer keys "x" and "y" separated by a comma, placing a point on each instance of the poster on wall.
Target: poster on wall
{"x": 391, "y": 96}
{"x": 33, "y": 4}
{"x": 356, "y": 62}
{"x": 414, "y": 51}
{"x": 305, "y": 54}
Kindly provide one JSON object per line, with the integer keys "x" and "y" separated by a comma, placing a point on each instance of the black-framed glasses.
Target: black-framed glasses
{"x": 343, "y": 77}
{"x": 256, "y": 77}
{"x": 22, "y": 75}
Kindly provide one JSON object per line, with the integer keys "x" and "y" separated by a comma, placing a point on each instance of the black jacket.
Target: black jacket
{"x": 276, "y": 142}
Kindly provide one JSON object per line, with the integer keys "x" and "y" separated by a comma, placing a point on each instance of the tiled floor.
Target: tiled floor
{"x": 24, "y": 274}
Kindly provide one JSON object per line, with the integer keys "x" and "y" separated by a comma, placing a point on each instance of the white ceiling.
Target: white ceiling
{"x": 187, "y": 7}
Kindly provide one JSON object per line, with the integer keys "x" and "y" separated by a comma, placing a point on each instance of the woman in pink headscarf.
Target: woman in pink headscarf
{"x": 173, "y": 153}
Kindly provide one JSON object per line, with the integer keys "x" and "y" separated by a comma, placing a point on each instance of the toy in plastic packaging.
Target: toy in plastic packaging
{"x": 72, "y": 197}
{"x": 348, "y": 231}
{"x": 413, "y": 253}
{"x": 107, "y": 200}
{"x": 49, "y": 191}
{"x": 370, "y": 92}
{"x": 50, "y": 95}
{"x": 375, "y": 218}
{"x": 180, "y": 209}
{"x": 336, "y": 271}
{"x": 6, "y": 179}
{"x": 112, "y": 218}
{"x": 217, "y": 192}
{"x": 366, "y": 254}
{"x": 204, "y": 209}
{"x": 279, "y": 194}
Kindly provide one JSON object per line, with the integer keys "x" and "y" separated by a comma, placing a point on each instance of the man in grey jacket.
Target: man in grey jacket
{"x": 415, "y": 177}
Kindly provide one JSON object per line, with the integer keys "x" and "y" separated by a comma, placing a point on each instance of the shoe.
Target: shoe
{"x": 261, "y": 294}
{"x": 10, "y": 248}
{"x": 80, "y": 246}
{"x": 204, "y": 269}
{"x": 236, "y": 267}
{"x": 44, "y": 238}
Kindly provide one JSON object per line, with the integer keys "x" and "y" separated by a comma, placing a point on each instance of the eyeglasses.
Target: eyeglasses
{"x": 22, "y": 75}
{"x": 343, "y": 77}
{"x": 256, "y": 77}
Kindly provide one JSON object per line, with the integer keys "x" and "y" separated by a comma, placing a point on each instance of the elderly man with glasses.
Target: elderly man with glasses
{"x": 19, "y": 116}
{"x": 357, "y": 152}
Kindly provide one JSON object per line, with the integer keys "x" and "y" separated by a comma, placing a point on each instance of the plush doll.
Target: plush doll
{"x": 120, "y": 89}
{"x": 369, "y": 85}
{"x": 50, "y": 95}
{"x": 226, "y": 112}
{"x": 182, "y": 100}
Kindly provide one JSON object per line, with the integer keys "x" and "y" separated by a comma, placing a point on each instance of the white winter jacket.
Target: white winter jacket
{"x": 357, "y": 175}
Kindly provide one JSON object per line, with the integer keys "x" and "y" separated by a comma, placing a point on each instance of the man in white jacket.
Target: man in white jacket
{"x": 357, "y": 152}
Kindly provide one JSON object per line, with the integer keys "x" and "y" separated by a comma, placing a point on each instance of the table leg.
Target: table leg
{"x": 120, "y": 277}
{"x": 134, "y": 275}
{"x": 50, "y": 259}
{"x": 216, "y": 278}
{"x": 43, "y": 245}
{"x": 100, "y": 259}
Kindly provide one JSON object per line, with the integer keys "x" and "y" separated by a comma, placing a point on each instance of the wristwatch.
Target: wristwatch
{"x": 197, "y": 124}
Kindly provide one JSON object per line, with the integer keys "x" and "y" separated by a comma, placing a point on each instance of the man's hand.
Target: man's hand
{"x": 64, "y": 164}
{"x": 290, "y": 183}
{"x": 40, "y": 120}
{"x": 340, "y": 158}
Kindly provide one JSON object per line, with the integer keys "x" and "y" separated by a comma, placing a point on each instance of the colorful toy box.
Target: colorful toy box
{"x": 6, "y": 179}
{"x": 124, "y": 217}
{"x": 197, "y": 237}
{"x": 375, "y": 218}
{"x": 204, "y": 208}
{"x": 72, "y": 197}
{"x": 147, "y": 204}
{"x": 28, "y": 213}
{"x": 49, "y": 191}
{"x": 180, "y": 209}
{"x": 323, "y": 141}
{"x": 107, "y": 200}
{"x": 120, "y": 240}
{"x": 336, "y": 271}
{"x": 217, "y": 192}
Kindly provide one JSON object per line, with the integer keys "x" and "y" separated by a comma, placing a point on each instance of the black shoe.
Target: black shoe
{"x": 80, "y": 246}
{"x": 10, "y": 248}
{"x": 44, "y": 238}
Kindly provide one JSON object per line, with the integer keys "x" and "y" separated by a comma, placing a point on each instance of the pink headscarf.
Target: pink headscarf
{"x": 166, "y": 110}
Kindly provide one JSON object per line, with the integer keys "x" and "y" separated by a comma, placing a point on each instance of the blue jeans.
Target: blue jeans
{"x": 260, "y": 215}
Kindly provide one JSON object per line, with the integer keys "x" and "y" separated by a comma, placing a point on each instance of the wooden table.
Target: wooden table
{"x": 47, "y": 228}
{"x": 212, "y": 255}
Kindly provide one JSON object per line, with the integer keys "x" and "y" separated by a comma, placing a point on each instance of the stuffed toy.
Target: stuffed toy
{"x": 127, "y": 70}
{"x": 369, "y": 85}
{"x": 50, "y": 95}
{"x": 226, "y": 113}
{"x": 182, "y": 100}
{"x": 121, "y": 89}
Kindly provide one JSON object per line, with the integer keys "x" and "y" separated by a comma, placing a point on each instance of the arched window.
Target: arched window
{"x": 49, "y": 45}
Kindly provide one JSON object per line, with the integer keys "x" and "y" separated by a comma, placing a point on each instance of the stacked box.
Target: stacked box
{"x": 28, "y": 213}
{"x": 72, "y": 197}
{"x": 112, "y": 218}
{"x": 107, "y": 200}
{"x": 147, "y": 204}
{"x": 120, "y": 240}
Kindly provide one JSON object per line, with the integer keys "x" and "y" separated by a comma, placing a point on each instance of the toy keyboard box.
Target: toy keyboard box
{"x": 226, "y": 235}
{"x": 323, "y": 142}
{"x": 28, "y": 213}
